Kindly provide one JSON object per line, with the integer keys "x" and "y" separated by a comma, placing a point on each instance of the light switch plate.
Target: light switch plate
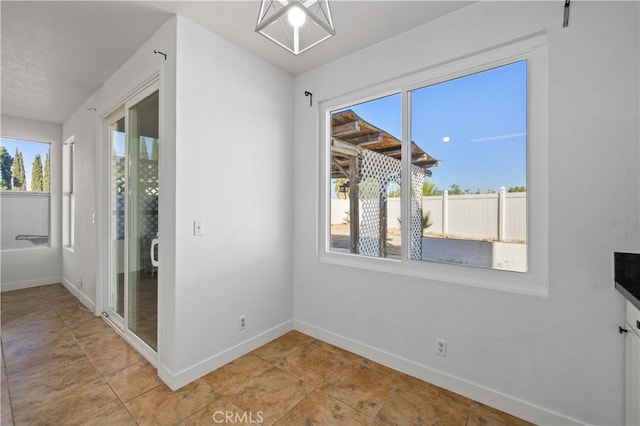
{"x": 198, "y": 228}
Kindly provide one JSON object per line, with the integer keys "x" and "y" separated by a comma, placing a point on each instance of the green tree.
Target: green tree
{"x": 46, "y": 178}
{"x": 19, "y": 178}
{"x": 154, "y": 150}
{"x": 426, "y": 220}
{"x": 337, "y": 183}
{"x": 428, "y": 189}
{"x": 394, "y": 193}
{"x": 36, "y": 174}
{"x": 454, "y": 189}
{"x": 517, "y": 189}
{"x": 368, "y": 189}
{"x": 6, "y": 163}
{"x": 144, "y": 152}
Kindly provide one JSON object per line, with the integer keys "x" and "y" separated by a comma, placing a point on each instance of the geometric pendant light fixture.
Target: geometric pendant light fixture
{"x": 296, "y": 25}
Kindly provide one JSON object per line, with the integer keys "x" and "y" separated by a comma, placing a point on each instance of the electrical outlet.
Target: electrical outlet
{"x": 441, "y": 347}
{"x": 243, "y": 322}
{"x": 79, "y": 283}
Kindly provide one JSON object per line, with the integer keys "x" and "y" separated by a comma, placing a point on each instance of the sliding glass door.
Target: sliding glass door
{"x": 133, "y": 225}
{"x": 142, "y": 292}
{"x": 118, "y": 190}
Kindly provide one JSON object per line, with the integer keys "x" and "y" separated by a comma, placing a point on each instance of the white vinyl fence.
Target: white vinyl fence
{"x": 25, "y": 219}
{"x": 500, "y": 217}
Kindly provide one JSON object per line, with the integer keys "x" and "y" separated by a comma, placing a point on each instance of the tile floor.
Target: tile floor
{"x": 61, "y": 365}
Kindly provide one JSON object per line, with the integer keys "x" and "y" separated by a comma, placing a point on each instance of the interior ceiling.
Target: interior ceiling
{"x": 55, "y": 54}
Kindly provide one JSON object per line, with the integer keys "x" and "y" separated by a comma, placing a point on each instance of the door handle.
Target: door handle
{"x": 154, "y": 244}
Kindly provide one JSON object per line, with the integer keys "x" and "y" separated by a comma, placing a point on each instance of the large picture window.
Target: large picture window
{"x": 473, "y": 209}
{"x": 25, "y": 185}
{"x": 365, "y": 178}
{"x": 439, "y": 171}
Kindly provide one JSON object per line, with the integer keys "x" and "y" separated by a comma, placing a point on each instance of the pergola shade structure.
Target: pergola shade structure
{"x": 362, "y": 152}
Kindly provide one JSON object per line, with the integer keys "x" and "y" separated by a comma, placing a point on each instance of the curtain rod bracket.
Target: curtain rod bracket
{"x": 310, "y": 95}
{"x": 565, "y": 19}
{"x": 157, "y": 52}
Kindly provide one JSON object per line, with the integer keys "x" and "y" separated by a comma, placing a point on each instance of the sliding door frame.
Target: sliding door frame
{"x": 103, "y": 216}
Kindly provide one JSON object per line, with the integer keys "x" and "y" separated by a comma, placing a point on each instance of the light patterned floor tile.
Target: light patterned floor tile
{"x": 74, "y": 406}
{"x": 14, "y": 295}
{"x": 6, "y": 415}
{"x": 46, "y": 343}
{"x": 41, "y": 314}
{"x": 55, "y": 352}
{"x": 409, "y": 405}
{"x": 162, "y": 406}
{"x": 361, "y": 387}
{"x": 134, "y": 380}
{"x": 39, "y": 377}
{"x": 484, "y": 415}
{"x": 283, "y": 346}
{"x": 33, "y": 329}
{"x": 234, "y": 375}
{"x": 312, "y": 364}
{"x": 320, "y": 409}
{"x": 118, "y": 416}
{"x": 272, "y": 393}
{"x": 108, "y": 351}
{"x": 223, "y": 411}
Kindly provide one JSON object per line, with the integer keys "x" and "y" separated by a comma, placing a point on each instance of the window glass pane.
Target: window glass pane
{"x": 72, "y": 219}
{"x": 66, "y": 167}
{"x": 364, "y": 182}
{"x": 72, "y": 167}
{"x": 473, "y": 208}
{"x": 68, "y": 204}
{"x": 25, "y": 185}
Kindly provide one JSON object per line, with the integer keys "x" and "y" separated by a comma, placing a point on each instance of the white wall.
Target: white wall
{"x": 227, "y": 122}
{"x": 233, "y": 142}
{"x": 38, "y": 266}
{"x": 551, "y": 360}
{"x": 83, "y": 125}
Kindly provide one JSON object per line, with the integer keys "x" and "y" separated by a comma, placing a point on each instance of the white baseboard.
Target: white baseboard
{"x": 493, "y": 398}
{"x": 188, "y": 375}
{"x": 19, "y": 285}
{"x": 90, "y": 304}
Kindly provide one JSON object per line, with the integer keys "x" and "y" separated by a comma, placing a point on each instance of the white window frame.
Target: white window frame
{"x": 535, "y": 281}
{"x": 68, "y": 193}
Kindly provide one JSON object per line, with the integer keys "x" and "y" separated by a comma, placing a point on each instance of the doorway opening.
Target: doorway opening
{"x": 130, "y": 284}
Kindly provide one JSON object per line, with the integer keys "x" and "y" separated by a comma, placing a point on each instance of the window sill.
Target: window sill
{"x": 513, "y": 282}
{"x": 12, "y": 250}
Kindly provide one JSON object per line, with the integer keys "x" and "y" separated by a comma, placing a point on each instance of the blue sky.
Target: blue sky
{"x": 475, "y": 125}
{"x": 29, "y": 150}
{"x": 119, "y": 146}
